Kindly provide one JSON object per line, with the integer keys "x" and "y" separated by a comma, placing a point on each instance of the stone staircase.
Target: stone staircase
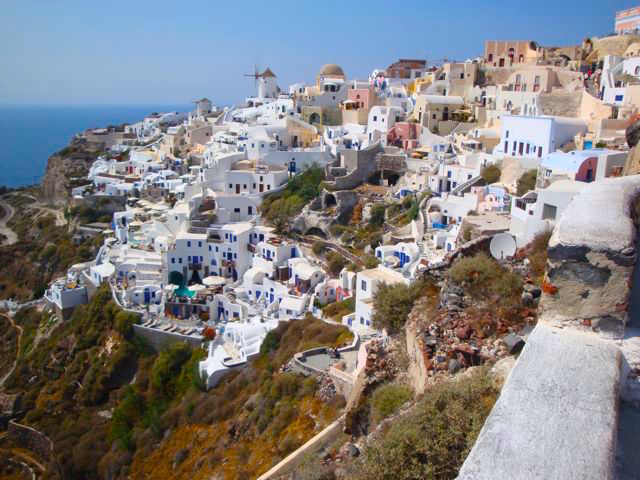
{"x": 463, "y": 186}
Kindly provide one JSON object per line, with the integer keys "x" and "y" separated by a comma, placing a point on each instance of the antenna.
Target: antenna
{"x": 502, "y": 245}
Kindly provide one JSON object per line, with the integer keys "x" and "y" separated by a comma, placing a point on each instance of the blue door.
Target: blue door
{"x": 147, "y": 295}
{"x": 220, "y": 313}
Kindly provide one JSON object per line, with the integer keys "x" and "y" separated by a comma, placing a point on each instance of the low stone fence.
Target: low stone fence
{"x": 321, "y": 440}
{"x": 30, "y": 439}
{"x": 158, "y": 338}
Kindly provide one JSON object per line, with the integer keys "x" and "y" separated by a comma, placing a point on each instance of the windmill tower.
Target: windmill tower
{"x": 266, "y": 83}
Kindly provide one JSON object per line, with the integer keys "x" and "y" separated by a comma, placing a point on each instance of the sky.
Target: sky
{"x": 137, "y": 52}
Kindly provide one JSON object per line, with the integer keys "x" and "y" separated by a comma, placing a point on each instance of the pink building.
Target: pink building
{"x": 404, "y": 135}
{"x": 363, "y": 97}
{"x": 627, "y": 20}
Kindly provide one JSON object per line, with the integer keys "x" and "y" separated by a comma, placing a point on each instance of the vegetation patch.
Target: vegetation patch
{"x": 433, "y": 439}
{"x": 393, "y": 303}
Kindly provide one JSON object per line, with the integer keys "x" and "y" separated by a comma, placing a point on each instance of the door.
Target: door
{"x": 237, "y": 188}
{"x": 147, "y": 295}
{"x": 501, "y": 62}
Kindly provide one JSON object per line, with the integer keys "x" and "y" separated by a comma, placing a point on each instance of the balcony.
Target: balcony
{"x": 252, "y": 248}
{"x": 195, "y": 265}
{"x": 229, "y": 263}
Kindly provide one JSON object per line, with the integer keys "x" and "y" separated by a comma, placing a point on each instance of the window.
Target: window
{"x": 236, "y": 210}
{"x": 249, "y": 210}
{"x": 375, "y": 118}
{"x": 619, "y": 98}
{"x": 363, "y": 286}
{"x": 490, "y": 57}
{"x": 539, "y": 152}
{"x": 188, "y": 243}
{"x": 536, "y": 80}
{"x": 199, "y": 244}
{"x": 549, "y": 212}
{"x": 173, "y": 260}
{"x": 518, "y": 78}
{"x": 180, "y": 260}
{"x": 449, "y": 174}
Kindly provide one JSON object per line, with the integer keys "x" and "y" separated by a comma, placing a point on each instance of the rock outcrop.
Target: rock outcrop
{"x": 65, "y": 167}
{"x": 327, "y": 209}
{"x": 589, "y": 273}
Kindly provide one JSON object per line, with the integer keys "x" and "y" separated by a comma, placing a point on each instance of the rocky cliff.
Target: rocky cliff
{"x": 67, "y": 169}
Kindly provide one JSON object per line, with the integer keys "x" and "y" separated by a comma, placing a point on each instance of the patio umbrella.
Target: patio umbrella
{"x": 197, "y": 288}
{"x": 212, "y": 281}
{"x": 171, "y": 286}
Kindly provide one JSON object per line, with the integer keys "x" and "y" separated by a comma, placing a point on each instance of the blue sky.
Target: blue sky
{"x": 160, "y": 52}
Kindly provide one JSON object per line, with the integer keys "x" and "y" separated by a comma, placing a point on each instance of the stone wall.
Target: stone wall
{"x": 591, "y": 260}
{"x": 158, "y": 339}
{"x": 558, "y": 414}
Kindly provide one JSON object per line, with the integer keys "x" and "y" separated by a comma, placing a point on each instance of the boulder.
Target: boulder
{"x": 514, "y": 343}
{"x": 632, "y": 134}
{"x": 454, "y": 366}
{"x": 180, "y": 456}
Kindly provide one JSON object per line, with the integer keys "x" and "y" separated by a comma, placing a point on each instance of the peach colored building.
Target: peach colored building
{"x": 505, "y": 53}
{"x": 627, "y": 20}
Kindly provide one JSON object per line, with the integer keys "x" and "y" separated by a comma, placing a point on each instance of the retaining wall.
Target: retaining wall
{"x": 158, "y": 339}
{"x": 321, "y": 440}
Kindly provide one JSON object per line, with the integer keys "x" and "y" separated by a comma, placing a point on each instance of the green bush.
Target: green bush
{"x": 124, "y": 323}
{"x": 483, "y": 276}
{"x": 387, "y": 399}
{"x": 318, "y": 248}
{"x": 377, "y": 215}
{"x": 370, "y": 261}
{"x": 526, "y": 182}
{"x": 393, "y": 303}
{"x": 431, "y": 441}
{"x": 337, "y": 310}
{"x": 335, "y": 263}
{"x": 491, "y": 174}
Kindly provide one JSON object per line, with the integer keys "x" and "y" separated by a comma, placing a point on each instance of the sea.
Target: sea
{"x": 29, "y": 134}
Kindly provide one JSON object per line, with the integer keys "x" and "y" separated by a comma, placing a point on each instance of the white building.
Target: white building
{"x": 539, "y": 210}
{"x": 367, "y": 284}
{"x": 536, "y": 137}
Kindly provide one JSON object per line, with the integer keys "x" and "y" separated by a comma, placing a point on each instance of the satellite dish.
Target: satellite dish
{"x": 502, "y": 246}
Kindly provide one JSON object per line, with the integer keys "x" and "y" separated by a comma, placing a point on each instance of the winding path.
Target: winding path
{"x": 7, "y": 213}
{"x": 15, "y": 362}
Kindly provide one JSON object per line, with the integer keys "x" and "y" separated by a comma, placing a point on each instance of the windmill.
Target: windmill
{"x": 255, "y": 75}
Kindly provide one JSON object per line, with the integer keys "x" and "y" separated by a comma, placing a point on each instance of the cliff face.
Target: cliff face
{"x": 67, "y": 169}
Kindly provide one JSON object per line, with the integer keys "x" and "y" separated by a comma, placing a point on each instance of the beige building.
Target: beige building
{"x": 435, "y": 112}
{"x": 499, "y": 53}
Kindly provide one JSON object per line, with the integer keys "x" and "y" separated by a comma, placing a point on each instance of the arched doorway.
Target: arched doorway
{"x": 314, "y": 118}
{"x": 445, "y": 114}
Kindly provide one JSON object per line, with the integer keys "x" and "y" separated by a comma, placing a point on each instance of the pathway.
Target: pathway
{"x": 15, "y": 362}
{"x": 7, "y": 213}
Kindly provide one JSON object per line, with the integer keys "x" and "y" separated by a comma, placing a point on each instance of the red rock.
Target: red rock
{"x": 549, "y": 288}
{"x": 464, "y": 332}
